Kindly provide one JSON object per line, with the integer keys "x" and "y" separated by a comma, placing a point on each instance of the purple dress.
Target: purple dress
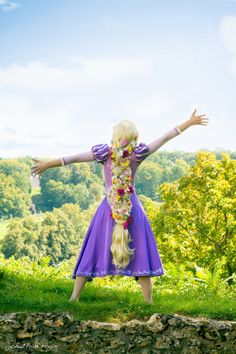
{"x": 95, "y": 257}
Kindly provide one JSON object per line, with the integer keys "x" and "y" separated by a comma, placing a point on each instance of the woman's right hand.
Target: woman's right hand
{"x": 39, "y": 168}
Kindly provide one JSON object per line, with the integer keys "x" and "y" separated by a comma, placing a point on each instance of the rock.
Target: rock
{"x": 163, "y": 342}
{"x": 23, "y": 335}
{"x": 154, "y": 324}
{"x": 161, "y": 333}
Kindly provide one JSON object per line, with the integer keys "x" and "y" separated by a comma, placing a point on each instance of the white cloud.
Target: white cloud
{"x": 37, "y": 99}
{"x": 90, "y": 72}
{"x": 55, "y": 111}
{"x": 227, "y": 29}
{"x": 6, "y": 5}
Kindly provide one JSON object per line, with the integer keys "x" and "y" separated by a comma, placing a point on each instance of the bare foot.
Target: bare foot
{"x": 149, "y": 301}
{"x": 73, "y": 298}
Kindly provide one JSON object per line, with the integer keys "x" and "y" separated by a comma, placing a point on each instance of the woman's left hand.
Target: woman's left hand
{"x": 198, "y": 120}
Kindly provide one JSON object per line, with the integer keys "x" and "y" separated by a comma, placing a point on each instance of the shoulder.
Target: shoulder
{"x": 141, "y": 151}
{"x": 100, "y": 152}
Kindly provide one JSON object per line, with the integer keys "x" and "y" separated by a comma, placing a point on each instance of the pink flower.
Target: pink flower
{"x": 124, "y": 142}
{"x": 129, "y": 219}
{"x": 125, "y": 153}
{"x": 131, "y": 190}
{"x": 125, "y": 225}
{"x": 120, "y": 191}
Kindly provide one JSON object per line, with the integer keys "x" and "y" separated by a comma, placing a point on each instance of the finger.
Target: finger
{"x": 195, "y": 111}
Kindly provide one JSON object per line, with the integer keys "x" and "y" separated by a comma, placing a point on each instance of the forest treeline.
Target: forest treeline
{"x": 190, "y": 199}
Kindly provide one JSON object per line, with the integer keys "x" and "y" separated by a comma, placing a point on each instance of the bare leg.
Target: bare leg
{"x": 78, "y": 286}
{"x": 146, "y": 284}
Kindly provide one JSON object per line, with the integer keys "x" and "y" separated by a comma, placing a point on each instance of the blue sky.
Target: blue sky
{"x": 70, "y": 70}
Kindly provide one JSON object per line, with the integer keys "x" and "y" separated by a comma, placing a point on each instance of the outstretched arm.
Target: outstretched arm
{"x": 42, "y": 166}
{"x": 178, "y": 129}
{"x": 80, "y": 157}
{"x": 157, "y": 143}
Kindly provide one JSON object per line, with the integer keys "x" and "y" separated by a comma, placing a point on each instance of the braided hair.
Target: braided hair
{"x": 124, "y": 141}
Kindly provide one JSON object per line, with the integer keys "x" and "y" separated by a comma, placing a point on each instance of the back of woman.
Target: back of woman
{"x": 119, "y": 240}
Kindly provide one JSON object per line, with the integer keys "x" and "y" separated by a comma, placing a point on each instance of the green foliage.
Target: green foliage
{"x": 58, "y": 234}
{"x": 148, "y": 178}
{"x": 40, "y": 269}
{"x": 153, "y": 172}
{"x": 175, "y": 171}
{"x": 19, "y": 172}
{"x": 3, "y": 228}
{"x": 169, "y": 158}
{"x": 193, "y": 218}
{"x": 14, "y": 202}
{"x": 196, "y": 221}
{"x": 74, "y": 184}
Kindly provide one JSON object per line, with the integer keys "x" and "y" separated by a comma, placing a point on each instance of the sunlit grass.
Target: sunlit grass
{"x": 116, "y": 299}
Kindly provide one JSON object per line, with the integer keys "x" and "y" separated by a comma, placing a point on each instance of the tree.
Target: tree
{"x": 19, "y": 172}
{"x": 58, "y": 234}
{"x": 74, "y": 184}
{"x": 148, "y": 179}
{"x": 14, "y": 202}
{"x": 197, "y": 219}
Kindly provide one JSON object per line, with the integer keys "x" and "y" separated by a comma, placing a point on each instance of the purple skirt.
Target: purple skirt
{"x": 95, "y": 257}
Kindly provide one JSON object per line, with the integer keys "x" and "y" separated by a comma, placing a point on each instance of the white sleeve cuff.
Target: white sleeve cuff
{"x": 178, "y": 130}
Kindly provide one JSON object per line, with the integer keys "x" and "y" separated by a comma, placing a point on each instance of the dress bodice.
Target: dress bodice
{"x": 102, "y": 154}
{"x": 108, "y": 171}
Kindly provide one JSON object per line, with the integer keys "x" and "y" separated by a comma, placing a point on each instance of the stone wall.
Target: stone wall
{"x": 60, "y": 333}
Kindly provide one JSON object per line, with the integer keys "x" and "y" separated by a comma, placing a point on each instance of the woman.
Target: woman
{"x": 119, "y": 240}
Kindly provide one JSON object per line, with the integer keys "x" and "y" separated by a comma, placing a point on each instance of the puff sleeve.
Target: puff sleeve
{"x": 141, "y": 152}
{"x": 101, "y": 152}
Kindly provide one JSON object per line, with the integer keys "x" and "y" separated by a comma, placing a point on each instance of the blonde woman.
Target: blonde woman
{"x": 119, "y": 240}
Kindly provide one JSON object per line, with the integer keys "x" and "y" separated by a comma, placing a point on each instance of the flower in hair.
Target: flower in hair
{"x": 121, "y": 190}
{"x": 127, "y": 222}
{"x": 131, "y": 190}
{"x": 124, "y": 142}
{"x": 125, "y": 153}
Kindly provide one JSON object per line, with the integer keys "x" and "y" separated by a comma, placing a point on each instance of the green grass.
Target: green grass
{"x": 110, "y": 300}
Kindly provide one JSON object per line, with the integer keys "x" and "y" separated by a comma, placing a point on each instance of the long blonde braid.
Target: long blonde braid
{"x": 121, "y": 190}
